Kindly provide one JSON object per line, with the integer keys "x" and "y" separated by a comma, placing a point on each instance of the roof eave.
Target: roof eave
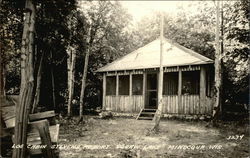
{"x": 101, "y": 69}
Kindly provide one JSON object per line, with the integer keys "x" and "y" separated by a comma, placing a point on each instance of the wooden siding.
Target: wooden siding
{"x": 124, "y": 103}
{"x": 209, "y": 105}
{"x": 170, "y": 104}
{"x": 190, "y": 105}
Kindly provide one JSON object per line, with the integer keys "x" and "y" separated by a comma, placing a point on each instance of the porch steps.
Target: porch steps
{"x": 146, "y": 114}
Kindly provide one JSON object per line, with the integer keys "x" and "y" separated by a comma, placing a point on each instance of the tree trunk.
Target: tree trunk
{"x": 27, "y": 81}
{"x": 85, "y": 71}
{"x": 53, "y": 87}
{"x": 2, "y": 73}
{"x": 69, "y": 52}
{"x": 221, "y": 59}
{"x": 2, "y": 76}
{"x": 218, "y": 69}
{"x": 158, "y": 113}
{"x": 71, "y": 77}
{"x": 38, "y": 86}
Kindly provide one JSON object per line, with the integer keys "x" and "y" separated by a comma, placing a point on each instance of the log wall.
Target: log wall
{"x": 124, "y": 103}
{"x": 189, "y": 104}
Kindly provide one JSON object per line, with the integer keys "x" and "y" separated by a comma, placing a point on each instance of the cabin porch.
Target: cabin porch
{"x": 186, "y": 90}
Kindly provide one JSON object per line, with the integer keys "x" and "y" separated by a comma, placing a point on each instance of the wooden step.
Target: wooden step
{"x": 150, "y": 110}
{"x": 145, "y": 118}
{"x": 146, "y": 114}
{"x": 139, "y": 114}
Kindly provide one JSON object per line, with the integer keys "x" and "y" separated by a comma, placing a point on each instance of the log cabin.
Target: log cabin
{"x": 130, "y": 83}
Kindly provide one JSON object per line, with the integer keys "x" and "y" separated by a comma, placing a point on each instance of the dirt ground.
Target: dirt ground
{"x": 127, "y": 137}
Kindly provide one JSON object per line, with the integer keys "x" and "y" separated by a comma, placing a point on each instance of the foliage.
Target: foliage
{"x": 237, "y": 48}
{"x": 10, "y": 43}
{"x": 59, "y": 24}
{"x": 108, "y": 40}
{"x": 52, "y": 39}
{"x": 180, "y": 29}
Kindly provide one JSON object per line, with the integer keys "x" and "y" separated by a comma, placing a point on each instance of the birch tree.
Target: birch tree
{"x": 71, "y": 76}
{"x": 217, "y": 65}
{"x": 85, "y": 71}
{"x": 158, "y": 113}
{"x": 71, "y": 59}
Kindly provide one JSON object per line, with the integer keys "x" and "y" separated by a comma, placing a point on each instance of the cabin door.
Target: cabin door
{"x": 151, "y": 91}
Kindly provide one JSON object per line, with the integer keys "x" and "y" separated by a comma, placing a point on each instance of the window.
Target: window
{"x": 137, "y": 83}
{"x": 190, "y": 82}
{"x": 170, "y": 83}
{"x": 124, "y": 85}
{"x": 110, "y": 85}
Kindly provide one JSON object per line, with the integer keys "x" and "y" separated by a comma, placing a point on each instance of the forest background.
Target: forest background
{"x": 67, "y": 31}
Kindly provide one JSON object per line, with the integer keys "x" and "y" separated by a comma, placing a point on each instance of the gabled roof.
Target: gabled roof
{"x": 149, "y": 57}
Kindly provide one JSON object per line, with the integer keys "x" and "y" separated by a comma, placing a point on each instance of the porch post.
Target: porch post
{"x": 144, "y": 89}
{"x": 202, "y": 90}
{"x": 130, "y": 83}
{"x": 117, "y": 85}
{"x": 181, "y": 110}
{"x": 104, "y": 91}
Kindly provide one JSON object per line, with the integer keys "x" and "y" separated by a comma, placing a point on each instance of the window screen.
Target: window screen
{"x": 190, "y": 82}
{"x": 124, "y": 85}
{"x": 170, "y": 83}
{"x": 137, "y": 83}
{"x": 111, "y": 85}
